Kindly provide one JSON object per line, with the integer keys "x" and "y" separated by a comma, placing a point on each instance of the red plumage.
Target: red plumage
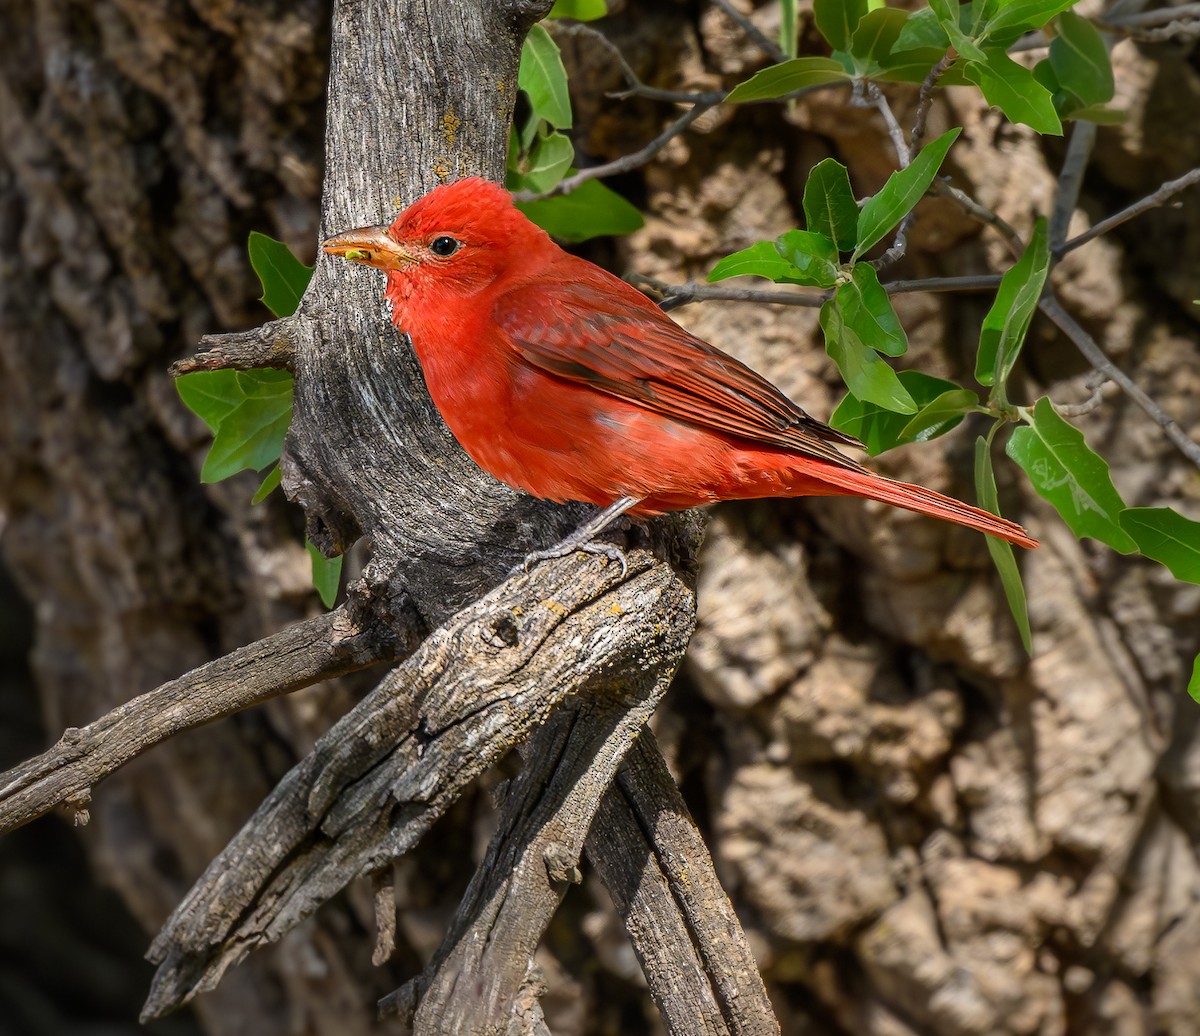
{"x": 563, "y": 381}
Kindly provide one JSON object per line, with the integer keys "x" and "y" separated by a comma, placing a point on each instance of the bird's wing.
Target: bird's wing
{"x": 611, "y": 337}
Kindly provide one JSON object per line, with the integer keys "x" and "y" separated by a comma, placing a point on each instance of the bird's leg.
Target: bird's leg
{"x": 584, "y": 538}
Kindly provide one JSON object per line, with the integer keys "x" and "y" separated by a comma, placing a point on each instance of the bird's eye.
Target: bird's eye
{"x": 444, "y": 245}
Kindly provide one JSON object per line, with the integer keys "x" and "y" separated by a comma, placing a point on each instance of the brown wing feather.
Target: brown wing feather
{"x": 609, "y": 336}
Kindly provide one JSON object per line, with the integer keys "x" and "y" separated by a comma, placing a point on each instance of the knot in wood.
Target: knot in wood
{"x": 562, "y": 865}
{"x": 501, "y": 631}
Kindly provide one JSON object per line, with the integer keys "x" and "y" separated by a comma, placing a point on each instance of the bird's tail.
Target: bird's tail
{"x": 924, "y": 501}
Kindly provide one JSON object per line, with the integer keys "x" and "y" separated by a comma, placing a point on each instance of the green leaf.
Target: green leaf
{"x": 866, "y": 375}
{"x": 283, "y": 277}
{"x": 813, "y": 257}
{"x": 761, "y": 259}
{"x": 912, "y": 66}
{"x": 789, "y": 35}
{"x": 326, "y": 574}
{"x": 544, "y": 79}
{"x": 1001, "y": 550}
{"x": 867, "y": 308}
{"x": 1080, "y": 60}
{"x": 579, "y": 10}
{"x": 1100, "y": 115}
{"x": 829, "y": 205}
{"x": 1166, "y": 536}
{"x": 548, "y": 162}
{"x": 875, "y": 38}
{"x": 1015, "y": 91}
{"x": 268, "y": 485}
{"x": 1019, "y": 16}
{"x": 788, "y": 77}
{"x": 939, "y": 415}
{"x": 922, "y": 30}
{"x": 591, "y": 210}
{"x": 1194, "y": 683}
{"x": 251, "y": 434}
{"x": 879, "y": 429}
{"x": 1007, "y": 322}
{"x": 837, "y": 19}
{"x": 904, "y": 188}
{"x": 1068, "y": 474}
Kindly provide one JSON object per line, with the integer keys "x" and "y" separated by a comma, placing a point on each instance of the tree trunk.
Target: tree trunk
{"x": 925, "y": 831}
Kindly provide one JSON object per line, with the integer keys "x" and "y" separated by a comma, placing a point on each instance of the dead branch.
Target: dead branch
{"x": 299, "y": 656}
{"x": 374, "y": 784}
{"x": 265, "y": 346}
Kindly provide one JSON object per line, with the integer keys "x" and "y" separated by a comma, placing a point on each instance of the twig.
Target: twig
{"x": 1151, "y": 201}
{"x": 299, "y": 656}
{"x": 1095, "y": 383}
{"x": 1156, "y": 17}
{"x": 675, "y": 295}
{"x": 1092, "y": 352}
{"x": 982, "y": 213}
{"x": 1070, "y": 182}
{"x": 925, "y": 98}
{"x": 265, "y": 346}
{"x": 625, "y": 163}
{"x": 867, "y": 93}
{"x": 761, "y": 40}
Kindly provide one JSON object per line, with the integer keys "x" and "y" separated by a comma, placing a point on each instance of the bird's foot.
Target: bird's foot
{"x": 567, "y": 546}
{"x": 584, "y": 538}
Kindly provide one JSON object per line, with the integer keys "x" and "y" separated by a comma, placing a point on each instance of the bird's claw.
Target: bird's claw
{"x": 566, "y": 548}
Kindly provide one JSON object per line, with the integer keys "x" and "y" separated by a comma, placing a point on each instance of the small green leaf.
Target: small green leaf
{"x": 879, "y": 429}
{"x": 1019, "y": 16}
{"x": 591, "y": 210}
{"x": 1068, "y": 474}
{"x": 1001, "y": 550}
{"x": 1007, "y": 323}
{"x": 1100, "y": 115}
{"x": 922, "y": 30}
{"x": 284, "y": 278}
{"x": 865, "y": 374}
{"x": 251, "y": 434}
{"x": 867, "y": 308}
{"x": 837, "y": 19}
{"x": 875, "y": 38}
{"x": 813, "y": 258}
{"x": 1193, "y": 687}
{"x": 544, "y": 79}
{"x": 1166, "y": 536}
{"x": 939, "y": 415}
{"x": 761, "y": 259}
{"x": 326, "y": 574}
{"x": 789, "y": 36}
{"x": 829, "y": 205}
{"x": 268, "y": 485}
{"x": 548, "y": 162}
{"x": 913, "y": 66}
{"x": 1015, "y": 91}
{"x": 788, "y": 77}
{"x": 579, "y": 10}
{"x": 1080, "y": 60}
{"x": 904, "y": 188}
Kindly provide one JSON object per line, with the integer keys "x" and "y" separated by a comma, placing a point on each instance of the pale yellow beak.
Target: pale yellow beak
{"x": 370, "y": 246}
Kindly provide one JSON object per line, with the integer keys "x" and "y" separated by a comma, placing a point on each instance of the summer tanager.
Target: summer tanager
{"x": 565, "y": 382}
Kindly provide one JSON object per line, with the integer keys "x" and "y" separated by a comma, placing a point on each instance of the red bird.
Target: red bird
{"x": 565, "y": 382}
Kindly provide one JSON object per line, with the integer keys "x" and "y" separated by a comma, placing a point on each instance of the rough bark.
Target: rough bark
{"x": 924, "y": 831}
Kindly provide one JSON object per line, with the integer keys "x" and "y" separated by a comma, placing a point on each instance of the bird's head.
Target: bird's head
{"x": 460, "y": 237}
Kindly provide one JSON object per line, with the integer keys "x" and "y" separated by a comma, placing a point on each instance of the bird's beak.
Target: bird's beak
{"x": 370, "y": 246}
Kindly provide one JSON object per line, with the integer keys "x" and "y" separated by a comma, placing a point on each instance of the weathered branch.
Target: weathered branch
{"x": 296, "y": 657}
{"x": 647, "y": 851}
{"x": 267, "y": 346}
{"x": 377, "y": 780}
{"x": 1152, "y": 201}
